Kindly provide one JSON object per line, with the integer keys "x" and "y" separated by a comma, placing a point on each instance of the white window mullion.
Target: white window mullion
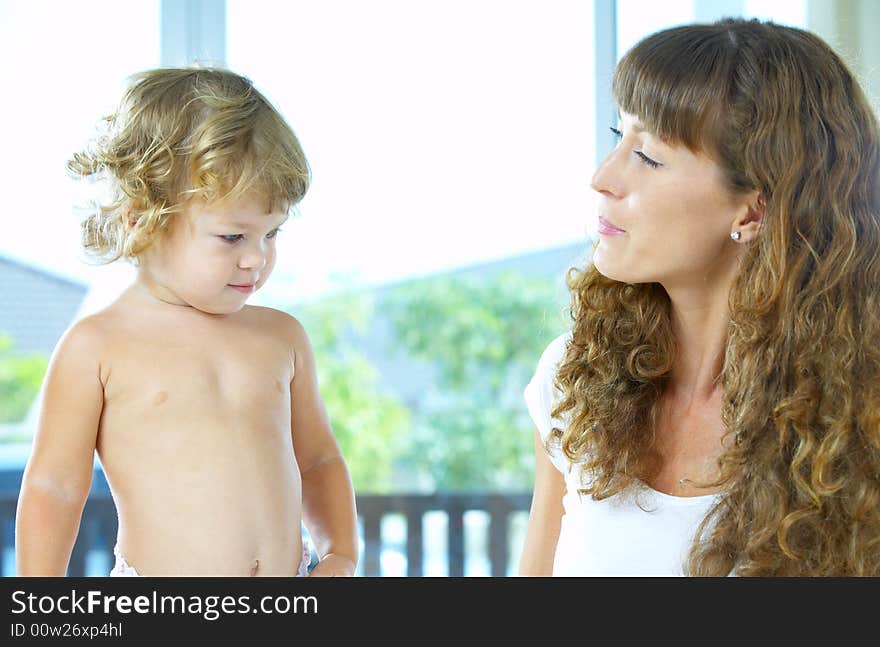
{"x": 712, "y": 10}
{"x": 193, "y": 31}
{"x": 605, "y": 40}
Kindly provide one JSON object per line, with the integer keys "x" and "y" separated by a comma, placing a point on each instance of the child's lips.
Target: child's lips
{"x": 246, "y": 288}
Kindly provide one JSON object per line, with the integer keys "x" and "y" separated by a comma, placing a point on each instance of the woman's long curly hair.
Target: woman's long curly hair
{"x": 182, "y": 134}
{"x": 800, "y": 469}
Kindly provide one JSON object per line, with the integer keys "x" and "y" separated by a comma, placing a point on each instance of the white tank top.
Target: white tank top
{"x": 646, "y": 533}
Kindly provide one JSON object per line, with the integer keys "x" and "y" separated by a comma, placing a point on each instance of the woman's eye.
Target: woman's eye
{"x": 232, "y": 238}
{"x": 647, "y": 160}
{"x": 644, "y": 158}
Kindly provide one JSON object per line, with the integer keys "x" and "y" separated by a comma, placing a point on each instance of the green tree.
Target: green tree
{"x": 484, "y": 335}
{"x": 20, "y": 379}
{"x": 368, "y": 422}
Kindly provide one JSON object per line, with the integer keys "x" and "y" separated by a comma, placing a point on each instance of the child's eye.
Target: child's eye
{"x": 616, "y": 132}
{"x": 232, "y": 238}
{"x": 273, "y": 233}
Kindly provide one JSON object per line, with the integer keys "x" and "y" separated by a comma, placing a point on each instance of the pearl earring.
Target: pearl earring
{"x": 735, "y": 235}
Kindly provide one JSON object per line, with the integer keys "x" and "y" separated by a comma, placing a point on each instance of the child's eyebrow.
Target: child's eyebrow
{"x": 243, "y": 225}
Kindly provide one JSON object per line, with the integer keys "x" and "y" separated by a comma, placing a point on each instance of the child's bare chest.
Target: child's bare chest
{"x": 209, "y": 373}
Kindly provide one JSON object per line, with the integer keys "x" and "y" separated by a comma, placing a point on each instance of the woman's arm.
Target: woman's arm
{"x": 545, "y": 517}
{"x": 58, "y": 474}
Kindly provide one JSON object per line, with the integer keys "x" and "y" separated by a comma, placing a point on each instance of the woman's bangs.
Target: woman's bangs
{"x": 679, "y": 102}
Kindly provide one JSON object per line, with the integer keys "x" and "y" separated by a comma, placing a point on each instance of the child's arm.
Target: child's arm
{"x": 328, "y": 496}
{"x": 545, "y": 516}
{"x": 58, "y": 475}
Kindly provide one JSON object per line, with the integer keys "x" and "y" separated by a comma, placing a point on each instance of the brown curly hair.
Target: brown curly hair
{"x": 181, "y": 134}
{"x": 800, "y": 470}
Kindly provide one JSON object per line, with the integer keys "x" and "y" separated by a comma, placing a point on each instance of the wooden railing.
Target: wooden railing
{"x": 97, "y": 533}
{"x": 372, "y": 508}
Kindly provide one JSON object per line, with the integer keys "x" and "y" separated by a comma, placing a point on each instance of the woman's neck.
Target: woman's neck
{"x": 700, "y": 320}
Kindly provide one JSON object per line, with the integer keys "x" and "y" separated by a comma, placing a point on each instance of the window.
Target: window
{"x": 451, "y": 145}
{"x": 64, "y": 67}
{"x": 637, "y": 18}
{"x": 440, "y": 134}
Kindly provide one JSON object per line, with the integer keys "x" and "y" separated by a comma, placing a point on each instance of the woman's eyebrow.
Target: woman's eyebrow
{"x": 639, "y": 129}
{"x": 637, "y": 126}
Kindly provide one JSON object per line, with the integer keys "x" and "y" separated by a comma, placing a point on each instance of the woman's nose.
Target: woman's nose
{"x": 606, "y": 179}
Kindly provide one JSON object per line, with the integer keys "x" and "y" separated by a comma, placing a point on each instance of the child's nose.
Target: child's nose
{"x": 253, "y": 259}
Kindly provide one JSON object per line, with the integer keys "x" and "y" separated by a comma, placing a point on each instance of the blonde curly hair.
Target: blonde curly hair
{"x": 781, "y": 113}
{"x": 181, "y": 134}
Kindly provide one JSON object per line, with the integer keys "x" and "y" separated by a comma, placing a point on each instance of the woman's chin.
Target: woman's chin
{"x": 608, "y": 268}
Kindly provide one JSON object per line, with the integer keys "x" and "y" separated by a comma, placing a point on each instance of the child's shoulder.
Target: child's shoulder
{"x": 89, "y": 331}
{"x": 276, "y": 322}
{"x": 83, "y": 343}
{"x": 110, "y": 327}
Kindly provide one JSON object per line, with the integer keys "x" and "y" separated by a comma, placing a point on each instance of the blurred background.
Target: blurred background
{"x": 451, "y": 143}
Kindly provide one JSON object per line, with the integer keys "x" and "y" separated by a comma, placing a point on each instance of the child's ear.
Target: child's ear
{"x": 131, "y": 216}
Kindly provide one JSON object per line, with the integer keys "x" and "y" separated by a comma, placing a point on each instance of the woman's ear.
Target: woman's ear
{"x": 747, "y": 225}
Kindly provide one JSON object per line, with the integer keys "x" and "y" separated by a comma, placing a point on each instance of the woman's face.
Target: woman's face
{"x": 665, "y": 214}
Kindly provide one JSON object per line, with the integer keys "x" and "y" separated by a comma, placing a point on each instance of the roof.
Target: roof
{"x": 36, "y": 305}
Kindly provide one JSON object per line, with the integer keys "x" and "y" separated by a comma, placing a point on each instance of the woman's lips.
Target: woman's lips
{"x": 607, "y": 228}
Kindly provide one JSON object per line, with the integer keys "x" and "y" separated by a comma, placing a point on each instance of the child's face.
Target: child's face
{"x": 213, "y": 258}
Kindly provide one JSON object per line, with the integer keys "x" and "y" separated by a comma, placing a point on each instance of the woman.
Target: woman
{"x": 716, "y": 408}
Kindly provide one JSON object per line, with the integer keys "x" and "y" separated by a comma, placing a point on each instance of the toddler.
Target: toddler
{"x": 205, "y": 412}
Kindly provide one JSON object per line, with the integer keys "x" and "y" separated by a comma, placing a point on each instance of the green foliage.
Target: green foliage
{"x": 20, "y": 380}
{"x": 367, "y": 421}
{"x": 484, "y": 335}
{"x": 482, "y": 326}
{"x": 472, "y": 343}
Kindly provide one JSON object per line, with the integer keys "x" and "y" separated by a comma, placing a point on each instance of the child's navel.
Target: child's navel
{"x": 255, "y": 567}
{"x": 161, "y": 396}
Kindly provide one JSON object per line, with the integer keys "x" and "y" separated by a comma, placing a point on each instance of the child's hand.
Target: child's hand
{"x": 334, "y": 565}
